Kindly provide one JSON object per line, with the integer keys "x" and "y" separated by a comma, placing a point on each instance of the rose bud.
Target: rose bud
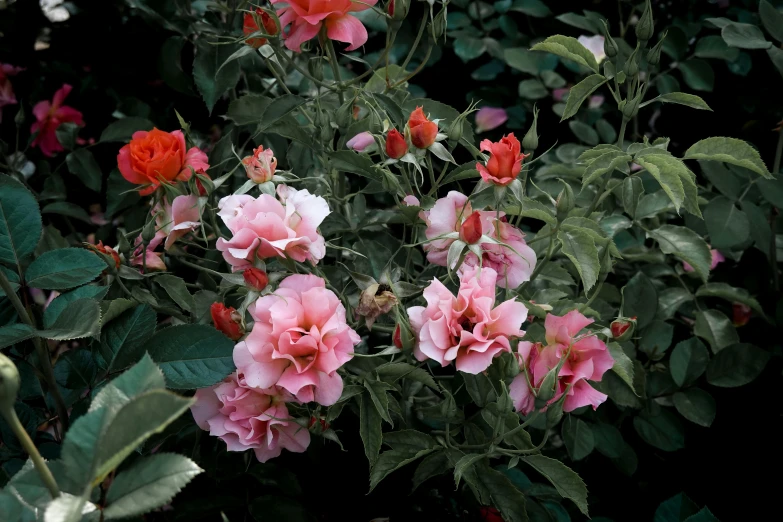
{"x": 422, "y": 131}
{"x": 505, "y": 160}
{"x": 397, "y": 338}
{"x": 255, "y": 278}
{"x": 251, "y": 25}
{"x": 470, "y": 231}
{"x": 376, "y": 299}
{"x": 622, "y": 328}
{"x": 741, "y": 314}
{"x": 107, "y": 251}
{"x": 318, "y": 425}
{"x": 395, "y": 144}
{"x": 260, "y": 167}
{"x": 227, "y": 320}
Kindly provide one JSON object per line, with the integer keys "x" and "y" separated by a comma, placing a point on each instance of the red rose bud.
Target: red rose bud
{"x": 318, "y": 425}
{"x": 397, "y": 338}
{"x": 470, "y": 231}
{"x": 202, "y": 190}
{"x": 741, "y": 314}
{"x": 255, "y": 279}
{"x": 107, "y": 251}
{"x": 423, "y": 131}
{"x": 622, "y": 328}
{"x": 395, "y": 144}
{"x": 227, "y": 320}
{"x": 251, "y": 25}
{"x": 490, "y": 514}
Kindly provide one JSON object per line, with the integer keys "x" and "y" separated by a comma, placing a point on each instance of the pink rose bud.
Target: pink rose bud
{"x": 260, "y": 167}
{"x": 360, "y": 142}
{"x": 470, "y": 231}
{"x": 255, "y": 278}
{"x": 395, "y": 144}
{"x": 488, "y": 118}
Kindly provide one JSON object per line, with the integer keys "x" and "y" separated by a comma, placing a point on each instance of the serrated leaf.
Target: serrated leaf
{"x": 248, "y": 109}
{"x": 68, "y": 508}
{"x": 729, "y": 150}
{"x": 392, "y": 460}
{"x": 377, "y": 391}
{"x": 579, "y": 246}
{"x": 432, "y": 465}
{"x": 465, "y": 463}
{"x": 176, "y": 289}
{"x": 727, "y": 225}
{"x": 64, "y": 268}
{"x": 563, "y": 478}
{"x": 15, "y": 333}
{"x": 80, "y": 319}
{"x": 211, "y": 80}
{"x": 61, "y": 302}
{"x": 578, "y": 437}
{"x": 20, "y": 221}
{"x": 686, "y": 245}
{"x": 623, "y": 365}
{"x": 149, "y": 484}
{"x": 569, "y": 48}
{"x": 744, "y": 36}
{"x": 370, "y": 428}
{"x": 580, "y": 92}
{"x": 123, "y": 340}
{"x": 665, "y": 171}
{"x": 729, "y": 293}
{"x": 606, "y": 163}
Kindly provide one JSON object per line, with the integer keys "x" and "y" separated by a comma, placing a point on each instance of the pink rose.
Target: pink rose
{"x": 468, "y": 328}
{"x": 299, "y": 340}
{"x": 488, "y": 118}
{"x": 149, "y": 258}
{"x": 7, "y": 96}
{"x": 587, "y": 359}
{"x": 362, "y": 142}
{"x": 717, "y": 258}
{"x": 264, "y": 227}
{"x": 306, "y": 17}
{"x": 249, "y": 418}
{"x": 177, "y": 219}
{"x": 513, "y": 265}
{"x": 50, "y": 116}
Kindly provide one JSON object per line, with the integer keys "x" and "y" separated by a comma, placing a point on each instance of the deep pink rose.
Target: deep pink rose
{"x": 467, "y": 328}
{"x": 249, "y": 418}
{"x": 178, "y": 218}
{"x": 299, "y": 340}
{"x": 588, "y": 360}
{"x": 50, "y": 116}
{"x": 306, "y": 17}
{"x": 263, "y": 227}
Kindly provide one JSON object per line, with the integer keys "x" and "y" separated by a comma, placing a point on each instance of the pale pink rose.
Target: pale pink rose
{"x": 594, "y": 44}
{"x": 411, "y": 201}
{"x": 177, "y": 219}
{"x": 152, "y": 260}
{"x": 446, "y": 217}
{"x": 306, "y": 17}
{"x": 513, "y": 265}
{"x": 265, "y": 227}
{"x": 300, "y": 338}
{"x": 7, "y": 96}
{"x": 49, "y": 116}
{"x": 588, "y": 360}
{"x": 362, "y": 142}
{"x": 717, "y": 258}
{"x": 488, "y": 118}
{"x": 468, "y": 329}
{"x": 246, "y": 418}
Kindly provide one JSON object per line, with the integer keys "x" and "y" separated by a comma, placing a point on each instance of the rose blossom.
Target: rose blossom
{"x": 588, "y": 359}
{"x": 467, "y": 328}
{"x": 249, "y": 418}
{"x": 151, "y": 259}
{"x": 505, "y": 160}
{"x": 178, "y": 218}
{"x": 362, "y": 142}
{"x": 155, "y": 157}
{"x": 423, "y": 132}
{"x": 7, "y": 96}
{"x": 299, "y": 340}
{"x": 250, "y": 25}
{"x": 307, "y": 16}
{"x": 488, "y": 118}
{"x": 260, "y": 166}
{"x": 717, "y": 258}
{"x": 50, "y": 116}
{"x": 264, "y": 227}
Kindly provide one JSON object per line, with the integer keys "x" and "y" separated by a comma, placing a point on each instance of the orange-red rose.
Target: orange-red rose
{"x": 395, "y": 144}
{"x": 156, "y": 157}
{"x": 505, "y": 160}
{"x": 423, "y": 131}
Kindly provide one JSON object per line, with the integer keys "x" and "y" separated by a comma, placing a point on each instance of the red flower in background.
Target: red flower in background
{"x": 251, "y": 25}
{"x": 7, "y": 96}
{"x": 51, "y": 115}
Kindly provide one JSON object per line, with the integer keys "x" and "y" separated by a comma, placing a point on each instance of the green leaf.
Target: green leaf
{"x": 466, "y": 463}
{"x": 15, "y": 333}
{"x": 149, "y": 484}
{"x": 580, "y": 248}
{"x": 722, "y": 178}
{"x": 688, "y": 361}
{"x": 607, "y": 162}
{"x": 675, "y": 509}
{"x": 563, "y": 478}
{"x": 759, "y": 227}
{"x": 76, "y": 369}
{"x": 64, "y": 268}
{"x": 569, "y": 48}
{"x": 727, "y": 225}
{"x": 580, "y": 92}
{"x": 268, "y": 508}
{"x": 584, "y": 132}
{"x": 393, "y": 460}
{"x": 608, "y": 440}
{"x": 633, "y": 190}
{"x": 370, "y": 428}
{"x": 281, "y": 107}
{"x": 578, "y": 437}
{"x": 704, "y": 515}
{"x": 508, "y": 499}
{"x": 535, "y": 8}
{"x": 122, "y": 130}
{"x": 60, "y": 303}
{"x": 776, "y": 57}
{"x": 123, "y": 340}
{"x": 640, "y": 300}
{"x": 698, "y": 74}
{"x": 686, "y": 245}
{"x": 192, "y": 356}
{"x": 663, "y": 430}
{"x": 69, "y": 508}
{"x": 409, "y": 439}
{"x": 399, "y": 370}
{"x": 349, "y": 161}
{"x": 64, "y": 208}
{"x": 480, "y": 389}
{"x": 80, "y": 319}
{"x": 432, "y": 465}
{"x": 120, "y": 194}
{"x": 744, "y": 36}
{"x": 729, "y": 150}
{"x": 469, "y": 48}
{"x": 532, "y": 90}
{"x": 20, "y": 221}
{"x": 715, "y": 328}
{"x": 656, "y": 339}
{"x": 211, "y": 83}
{"x": 533, "y": 209}
{"x": 377, "y": 391}
{"x": 772, "y": 20}
{"x": 526, "y": 60}
{"x": 248, "y": 109}
{"x": 144, "y": 376}
{"x": 736, "y": 365}
{"x": 696, "y": 405}
{"x": 729, "y": 293}
{"x": 623, "y": 365}
{"x": 667, "y": 172}
{"x": 82, "y": 164}
{"x": 714, "y": 46}
{"x": 681, "y": 98}
{"x": 175, "y": 287}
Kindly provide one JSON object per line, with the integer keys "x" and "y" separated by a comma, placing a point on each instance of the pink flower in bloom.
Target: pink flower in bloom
{"x": 51, "y": 115}
{"x": 299, "y": 340}
{"x": 468, "y": 328}
{"x": 717, "y": 258}
{"x": 153, "y": 260}
{"x": 178, "y": 218}
{"x": 588, "y": 359}
{"x": 7, "y": 96}
{"x": 266, "y": 227}
{"x": 361, "y": 142}
{"x": 488, "y": 118}
{"x": 306, "y": 17}
{"x": 249, "y": 418}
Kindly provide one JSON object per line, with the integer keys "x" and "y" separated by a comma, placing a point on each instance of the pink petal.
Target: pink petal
{"x": 347, "y": 29}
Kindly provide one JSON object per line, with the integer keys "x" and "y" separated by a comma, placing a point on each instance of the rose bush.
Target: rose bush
{"x": 325, "y": 258}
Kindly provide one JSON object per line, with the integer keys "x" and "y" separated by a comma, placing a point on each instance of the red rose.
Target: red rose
{"x": 470, "y": 231}
{"x": 251, "y": 25}
{"x": 227, "y": 320}
{"x": 741, "y": 314}
{"x": 255, "y": 278}
{"x": 395, "y": 144}
{"x": 505, "y": 161}
{"x": 423, "y": 131}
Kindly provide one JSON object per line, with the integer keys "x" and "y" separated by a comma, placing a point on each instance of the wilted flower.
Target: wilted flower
{"x": 375, "y": 300}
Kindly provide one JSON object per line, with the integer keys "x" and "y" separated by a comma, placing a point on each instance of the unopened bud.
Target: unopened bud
{"x": 148, "y": 232}
{"x": 645, "y": 26}
{"x": 632, "y": 107}
{"x": 398, "y": 9}
{"x": 548, "y": 388}
{"x": 9, "y": 383}
{"x": 344, "y": 116}
{"x": 632, "y": 64}
{"x": 255, "y": 278}
{"x": 565, "y": 201}
{"x": 315, "y": 67}
{"x": 439, "y": 24}
{"x": 622, "y": 328}
{"x": 530, "y": 141}
{"x": 654, "y": 54}
{"x": 610, "y": 46}
{"x": 470, "y": 231}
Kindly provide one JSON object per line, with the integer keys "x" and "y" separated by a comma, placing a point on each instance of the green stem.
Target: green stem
{"x": 423, "y": 24}
{"x": 40, "y": 466}
{"x": 621, "y": 134}
{"x": 41, "y": 350}
{"x": 335, "y": 67}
